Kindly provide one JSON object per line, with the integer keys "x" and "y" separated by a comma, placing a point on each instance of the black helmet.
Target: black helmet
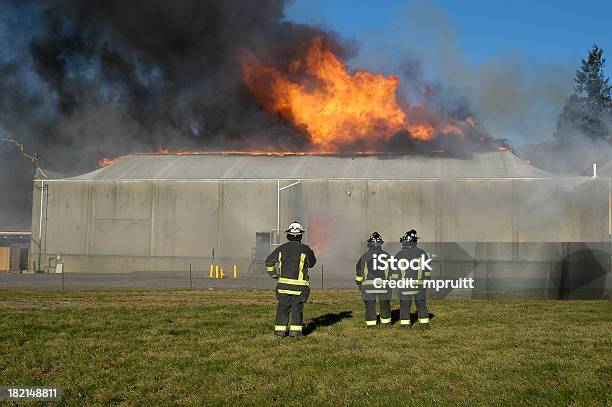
{"x": 409, "y": 237}
{"x": 375, "y": 240}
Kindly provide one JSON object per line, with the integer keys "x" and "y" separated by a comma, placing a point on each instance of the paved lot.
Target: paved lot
{"x": 148, "y": 280}
{"x": 171, "y": 280}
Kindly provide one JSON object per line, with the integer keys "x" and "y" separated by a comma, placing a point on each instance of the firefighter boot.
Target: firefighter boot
{"x": 295, "y": 331}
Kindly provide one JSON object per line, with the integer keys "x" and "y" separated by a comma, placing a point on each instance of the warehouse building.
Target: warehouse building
{"x": 492, "y": 213}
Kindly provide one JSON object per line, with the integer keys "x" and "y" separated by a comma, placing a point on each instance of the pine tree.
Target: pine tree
{"x": 591, "y": 81}
{"x": 588, "y": 111}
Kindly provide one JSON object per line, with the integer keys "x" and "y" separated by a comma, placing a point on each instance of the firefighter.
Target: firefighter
{"x": 365, "y": 275}
{"x": 294, "y": 259}
{"x": 410, "y": 251}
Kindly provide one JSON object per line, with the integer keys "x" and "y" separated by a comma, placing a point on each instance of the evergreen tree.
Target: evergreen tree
{"x": 591, "y": 82}
{"x": 588, "y": 111}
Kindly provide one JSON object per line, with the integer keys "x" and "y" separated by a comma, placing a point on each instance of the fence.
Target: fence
{"x": 499, "y": 270}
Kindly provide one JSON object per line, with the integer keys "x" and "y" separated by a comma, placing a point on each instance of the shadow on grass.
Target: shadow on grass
{"x": 395, "y": 316}
{"x": 326, "y": 320}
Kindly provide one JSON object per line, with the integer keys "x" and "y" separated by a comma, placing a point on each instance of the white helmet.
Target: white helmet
{"x": 295, "y": 229}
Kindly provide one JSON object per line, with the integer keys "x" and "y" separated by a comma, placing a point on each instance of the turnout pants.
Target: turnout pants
{"x": 420, "y": 298}
{"x": 369, "y": 300}
{"x": 290, "y": 311}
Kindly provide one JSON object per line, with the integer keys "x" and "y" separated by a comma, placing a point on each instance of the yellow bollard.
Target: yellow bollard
{"x": 216, "y": 271}
{"x": 235, "y": 272}
{"x": 211, "y": 271}
{"x": 222, "y": 274}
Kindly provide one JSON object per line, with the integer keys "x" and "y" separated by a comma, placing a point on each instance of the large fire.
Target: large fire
{"x": 342, "y": 112}
{"x": 337, "y": 108}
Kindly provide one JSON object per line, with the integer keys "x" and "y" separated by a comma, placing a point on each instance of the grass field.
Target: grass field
{"x": 217, "y": 348}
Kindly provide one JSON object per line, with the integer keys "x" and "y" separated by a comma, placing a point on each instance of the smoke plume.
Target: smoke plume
{"x": 514, "y": 96}
{"x": 82, "y": 80}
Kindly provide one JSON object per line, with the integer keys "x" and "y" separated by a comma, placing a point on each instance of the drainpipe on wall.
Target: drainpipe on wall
{"x": 278, "y": 190}
{"x": 40, "y": 217}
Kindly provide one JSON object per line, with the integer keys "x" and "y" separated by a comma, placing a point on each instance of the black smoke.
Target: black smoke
{"x": 82, "y": 80}
{"x": 167, "y": 73}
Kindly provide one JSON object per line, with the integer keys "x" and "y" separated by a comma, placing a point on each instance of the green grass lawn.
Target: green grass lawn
{"x": 217, "y": 348}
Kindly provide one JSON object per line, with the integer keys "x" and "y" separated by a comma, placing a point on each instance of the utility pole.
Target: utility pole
{"x": 44, "y": 189}
{"x": 34, "y": 158}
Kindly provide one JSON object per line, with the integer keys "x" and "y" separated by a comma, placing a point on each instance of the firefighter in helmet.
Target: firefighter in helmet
{"x": 365, "y": 275}
{"x": 293, "y": 259}
{"x": 410, "y": 251}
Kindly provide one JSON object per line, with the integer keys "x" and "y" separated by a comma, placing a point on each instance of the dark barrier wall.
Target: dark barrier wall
{"x": 568, "y": 270}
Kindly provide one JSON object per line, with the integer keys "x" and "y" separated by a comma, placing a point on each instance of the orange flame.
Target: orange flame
{"x": 106, "y": 161}
{"x": 336, "y": 107}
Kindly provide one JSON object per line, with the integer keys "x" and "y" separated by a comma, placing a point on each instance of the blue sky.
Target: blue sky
{"x": 559, "y": 29}
{"x": 513, "y": 61}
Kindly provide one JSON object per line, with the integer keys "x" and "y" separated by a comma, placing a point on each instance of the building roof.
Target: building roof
{"x": 498, "y": 164}
{"x": 606, "y": 170}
